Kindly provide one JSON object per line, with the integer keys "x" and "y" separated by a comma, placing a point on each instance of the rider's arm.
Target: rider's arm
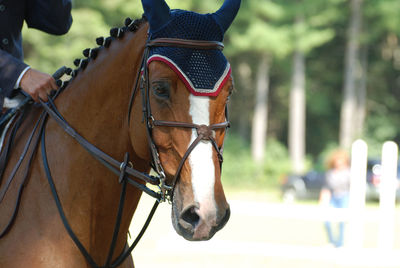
{"x": 53, "y": 17}
{"x": 15, "y": 73}
{"x": 10, "y": 70}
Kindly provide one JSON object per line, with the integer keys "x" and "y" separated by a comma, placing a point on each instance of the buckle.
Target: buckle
{"x": 165, "y": 189}
{"x": 123, "y": 166}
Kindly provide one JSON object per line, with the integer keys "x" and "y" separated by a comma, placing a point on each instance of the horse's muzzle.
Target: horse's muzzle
{"x": 197, "y": 225}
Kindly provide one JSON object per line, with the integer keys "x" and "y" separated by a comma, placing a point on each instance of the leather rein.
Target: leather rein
{"x": 124, "y": 170}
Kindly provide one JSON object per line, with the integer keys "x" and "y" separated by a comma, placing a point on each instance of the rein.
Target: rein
{"x": 122, "y": 169}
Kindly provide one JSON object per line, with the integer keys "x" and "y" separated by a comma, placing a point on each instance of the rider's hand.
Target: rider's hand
{"x": 37, "y": 84}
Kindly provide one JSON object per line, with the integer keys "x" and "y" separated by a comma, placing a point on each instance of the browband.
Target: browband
{"x": 194, "y": 44}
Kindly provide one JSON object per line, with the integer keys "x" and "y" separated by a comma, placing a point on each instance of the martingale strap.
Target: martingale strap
{"x": 110, "y": 163}
{"x": 104, "y": 158}
{"x": 123, "y": 180}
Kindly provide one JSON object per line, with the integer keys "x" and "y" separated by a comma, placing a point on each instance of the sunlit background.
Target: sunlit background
{"x": 310, "y": 76}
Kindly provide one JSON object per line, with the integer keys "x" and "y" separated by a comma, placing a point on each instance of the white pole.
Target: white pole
{"x": 358, "y": 175}
{"x": 387, "y": 195}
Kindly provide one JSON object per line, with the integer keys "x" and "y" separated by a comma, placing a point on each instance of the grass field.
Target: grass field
{"x": 261, "y": 233}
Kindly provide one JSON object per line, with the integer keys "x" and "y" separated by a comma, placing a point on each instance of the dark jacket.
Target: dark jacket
{"x": 50, "y": 16}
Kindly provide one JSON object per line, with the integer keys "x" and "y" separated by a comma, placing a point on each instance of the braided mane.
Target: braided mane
{"x": 103, "y": 43}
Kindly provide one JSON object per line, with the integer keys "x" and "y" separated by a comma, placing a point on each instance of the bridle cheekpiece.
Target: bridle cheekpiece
{"x": 204, "y": 132}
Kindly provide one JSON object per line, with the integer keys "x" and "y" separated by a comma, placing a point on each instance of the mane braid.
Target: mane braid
{"x": 91, "y": 52}
{"x": 103, "y": 42}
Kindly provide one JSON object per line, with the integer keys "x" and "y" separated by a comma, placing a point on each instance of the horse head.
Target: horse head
{"x": 186, "y": 83}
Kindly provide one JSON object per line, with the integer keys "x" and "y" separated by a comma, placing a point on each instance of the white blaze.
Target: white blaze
{"x": 200, "y": 160}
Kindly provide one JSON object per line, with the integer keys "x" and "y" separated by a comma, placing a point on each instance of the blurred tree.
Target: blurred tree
{"x": 271, "y": 33}
{"x": 297, "y": 104}
{"x": 310, "y": 29}
{"x": 383, "y": 86}
{"x": 244, "y": 72}
{"x": 260, "y": 117}
{"x": 351, "y": 74}
{"x": 258, "y": 34}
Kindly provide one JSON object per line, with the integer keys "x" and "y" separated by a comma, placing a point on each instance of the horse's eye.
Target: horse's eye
{"x": 231, "y": 89}
{"x": 161, "y": 89}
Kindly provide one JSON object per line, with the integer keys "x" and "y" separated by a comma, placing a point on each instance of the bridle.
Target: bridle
{"x": 124, "y": 169}
{"x": 204, "y": 132}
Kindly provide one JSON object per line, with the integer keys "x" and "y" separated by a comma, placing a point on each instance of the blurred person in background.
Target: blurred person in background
{"x": 53, "y": 17}
{"x": 335, "y": 192}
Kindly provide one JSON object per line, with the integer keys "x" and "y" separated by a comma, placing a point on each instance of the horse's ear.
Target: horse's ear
{"x": 227, "y": 13}
{"x": 156, "y": 12}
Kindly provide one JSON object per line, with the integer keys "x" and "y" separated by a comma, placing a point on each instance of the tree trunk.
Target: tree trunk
{"x": 349, "y": 104}
{"x": 297, "y": 107}
{"x": 260, "y": 117}
{"x": 362, "y": 93}
{"x": 244, "y": 71}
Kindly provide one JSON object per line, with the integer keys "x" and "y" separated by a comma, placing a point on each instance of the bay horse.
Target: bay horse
{"x": 128, "y": 106}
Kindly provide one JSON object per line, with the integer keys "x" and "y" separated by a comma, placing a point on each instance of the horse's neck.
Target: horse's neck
{"x": 96, "y": 105}
{"x": 100, "y": 93}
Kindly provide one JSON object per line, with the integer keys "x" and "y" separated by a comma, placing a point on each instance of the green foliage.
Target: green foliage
{"x": 257, "y": 32}
{"x": 381, "y": 129}
{"x": 383, "y": 16}
{"x": 268, "y": 27}
{"x": 277, "y": 161}
{"x": 239, "y": 170}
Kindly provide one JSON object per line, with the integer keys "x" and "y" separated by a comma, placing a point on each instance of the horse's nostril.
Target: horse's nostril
{"x": 190, "y": 216}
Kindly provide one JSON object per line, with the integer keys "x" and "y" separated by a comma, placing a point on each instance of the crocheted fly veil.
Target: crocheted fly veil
{"x": 204, "y": 72}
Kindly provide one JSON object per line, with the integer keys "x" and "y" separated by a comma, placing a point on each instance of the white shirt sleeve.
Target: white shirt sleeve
{"x": 20, "y": 77}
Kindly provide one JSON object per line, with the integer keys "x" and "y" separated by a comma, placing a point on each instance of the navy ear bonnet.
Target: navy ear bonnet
{"x": 204, "y": 72}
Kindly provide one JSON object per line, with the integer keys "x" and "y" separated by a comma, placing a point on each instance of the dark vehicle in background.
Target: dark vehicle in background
{"x": 374, "y": 179}
{"x": 309, "y": 185}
